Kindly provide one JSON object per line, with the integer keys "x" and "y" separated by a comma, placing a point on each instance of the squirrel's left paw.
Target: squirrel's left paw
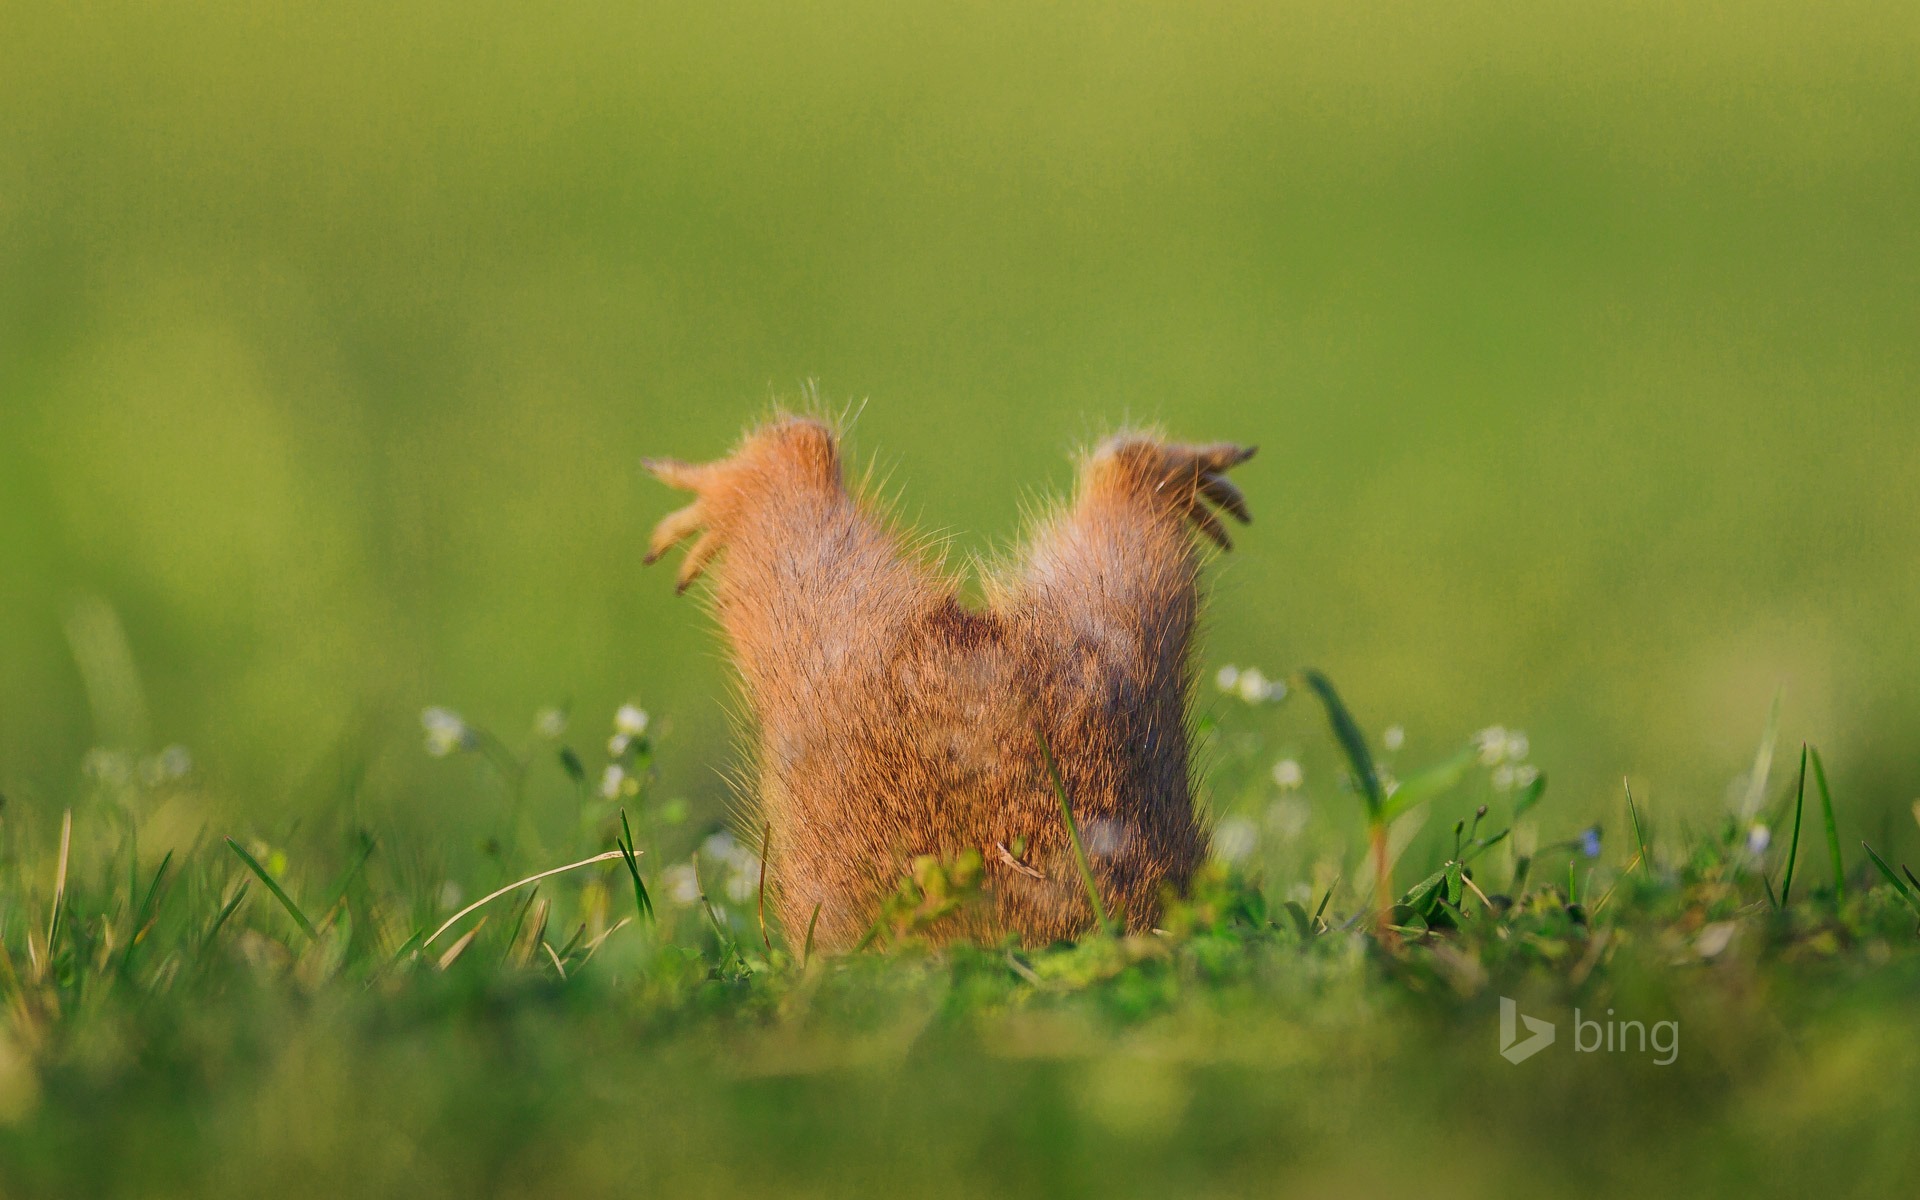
{"x": 682, "y": 523}
{"x": 1185, "y": 478}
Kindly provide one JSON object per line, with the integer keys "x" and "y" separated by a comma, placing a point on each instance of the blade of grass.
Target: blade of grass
{"x": 60, "y": 880}
{"x": 413, "y": 943}
{"x": 226, "y": 910}
{"x": 519, "y": 920}
{"x": 346, "y": 877}
{"x": 1763, "y": 760}
{"x": 490, "y": 897}
{"x": 143, "y": 913}
{"x": 1833, "y": 830}
{"x": 642, "y": 902}
{"x": 728, "y": 948}
{"x": 461, "y": 943}
{"x": 1899, "y": 885}
{"x": 1531, "y": 796}
{"x": 760, "y": 906}
{"x": 587, "y": 954}
{"x": 286, "y": 901}
{"x": 806, "y": 954}
{"x": 1325, "y": 899}
{"x": 1073, "y": 831}
{"x": 1639, "y": 833}
{"x": 1793, "y": 847}
{"x": 1347, "y": 732}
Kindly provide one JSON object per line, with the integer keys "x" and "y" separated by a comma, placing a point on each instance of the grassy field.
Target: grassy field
{"x": 1580, "y": 347}
{"x": 334, "y": 1018}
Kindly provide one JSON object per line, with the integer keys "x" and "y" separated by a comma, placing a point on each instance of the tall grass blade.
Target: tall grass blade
{"x": 1639, "y": 831}
{"x": 490, "y": 897}
{"x": 1073, "y": 831}
{"x": 144, "y": 913}
{"x": 286, "y": 901}
{"x": 806, "y": 953}
{"x": 1900, "y": 885}
{"x": 760, "y": 904}
{"x": 460, "y": 944}
{"x": 60, "y": 881}
{"x": 1833, "y": 830}
{"x": 1763, "y": 761}
{"x": 1793, "y": 847}
{"x": 347, "y": 876}
{"x": 1347, "y": 732}
{"x": 642, "y": 902}
{"x": 226, "y": 910}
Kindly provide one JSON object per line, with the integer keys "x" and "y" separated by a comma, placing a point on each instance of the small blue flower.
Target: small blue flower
{"x": 1590, "y": 842}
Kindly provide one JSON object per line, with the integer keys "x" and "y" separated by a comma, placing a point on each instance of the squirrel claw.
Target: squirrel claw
{"x": 675, "y": 527}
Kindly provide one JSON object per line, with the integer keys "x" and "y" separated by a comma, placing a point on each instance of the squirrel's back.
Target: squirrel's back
{"x": 892, "y": 721}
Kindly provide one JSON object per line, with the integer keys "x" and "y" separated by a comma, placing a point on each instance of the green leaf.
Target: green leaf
{"x": 1639, "y": 831}
{"x": 1793, "y": 847}
{"x": 273, "y": 885}
{"x": 1347, "y": 732}
{"x": 1302, "y": 923}
{"x": 1763, "y": 760}
{"x": 1425, "y": 785}
{"x": 641, "y": 901}
{"x": 1899, "y": 885}
{"x": 1073, "y": 831}
{"x": 1833, "y": 830}
{"x": 1531, "y": 796}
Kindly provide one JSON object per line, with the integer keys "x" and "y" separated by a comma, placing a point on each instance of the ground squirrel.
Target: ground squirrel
{"x": 892, "y": 720}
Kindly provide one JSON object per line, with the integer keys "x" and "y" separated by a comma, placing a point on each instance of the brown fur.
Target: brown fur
{"x": 894, "y": 721}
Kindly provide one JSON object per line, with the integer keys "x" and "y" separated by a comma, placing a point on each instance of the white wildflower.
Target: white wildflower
{"x": 1235, "y": 839}
{"x": 613, "y": 782}
{"x": 550, "y": 723}
{"x": 1518, "y": 747}
{"x": 1254, "y": 688}
{"x": 630, "y": 720}
{"x": 1288, "y": 775}
{"x": 1288, "y": 818}
{"x": 1503, "y": 778}
{"x": 1394, "y": 738}
{"x": 446, "y": 732}
{"x": 680, "y": 884}
{"x": 170, "y": 764}
{"x": 1228, "y": 680}
{"x": 1524, "y": 776}
{"x": 742, "y": 886}
{"x": 1493, "y": 745}
{"x": 730, "y": 852}
{"x": 1758, "y": 839}
{"x": 617, "y": 745}
{"x": 114, "y": 767}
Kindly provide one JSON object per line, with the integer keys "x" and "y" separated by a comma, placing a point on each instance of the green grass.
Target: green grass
{"x": 302, "y": 1016}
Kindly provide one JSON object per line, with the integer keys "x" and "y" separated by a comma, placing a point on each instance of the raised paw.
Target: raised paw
{"x": 779, "y": 461}
{"x": 682, "y": 523}
{"x": 1186, "y": 479}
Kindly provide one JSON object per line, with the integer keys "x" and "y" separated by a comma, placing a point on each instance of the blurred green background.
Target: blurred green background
{"x": 1580, "y": 340}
